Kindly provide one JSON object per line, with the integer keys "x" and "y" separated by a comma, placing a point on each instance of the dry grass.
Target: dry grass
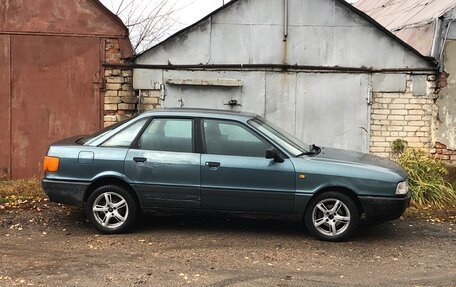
{"x": 430, "y": 214}
{"x": 14, "y": 190}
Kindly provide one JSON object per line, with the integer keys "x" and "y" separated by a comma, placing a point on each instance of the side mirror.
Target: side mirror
{"x": 275, "y": 155}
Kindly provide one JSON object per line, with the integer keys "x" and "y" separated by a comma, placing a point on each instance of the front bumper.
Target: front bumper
{"x": 381, "y": 209}
{"x": 66, "y": 192}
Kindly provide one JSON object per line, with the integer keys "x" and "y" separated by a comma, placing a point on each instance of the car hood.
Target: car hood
{"x": 359, "y": 159}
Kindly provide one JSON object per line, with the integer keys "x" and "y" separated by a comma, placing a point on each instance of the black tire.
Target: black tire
{"x": 332, "y": 219}
{"x": 127, "y": 211}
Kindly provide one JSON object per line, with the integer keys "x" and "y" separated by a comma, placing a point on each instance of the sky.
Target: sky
{"x": 193, "y": 10}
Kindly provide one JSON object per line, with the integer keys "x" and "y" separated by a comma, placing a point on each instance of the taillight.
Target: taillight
{"x": 51, "y": 164}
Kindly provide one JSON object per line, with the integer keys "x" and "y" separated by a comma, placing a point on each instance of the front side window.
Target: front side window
{"x": 125, "y": 137}
{"x": 229, "y": 138}
{"x": 171, "y": 135}
{"x": 281, "y": 137}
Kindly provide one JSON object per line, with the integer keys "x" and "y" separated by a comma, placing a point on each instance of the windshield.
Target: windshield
{"x": 290, "y": 143}
{"x": 102, "y": 132}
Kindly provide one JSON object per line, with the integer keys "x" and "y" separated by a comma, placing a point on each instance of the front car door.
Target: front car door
{"x": 236, "y": 176}
{"x": 164, "y": 166}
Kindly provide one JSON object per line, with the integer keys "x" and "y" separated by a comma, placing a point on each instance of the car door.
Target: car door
{"x": 236, "y": 176}
{"x": 163, "y": 165}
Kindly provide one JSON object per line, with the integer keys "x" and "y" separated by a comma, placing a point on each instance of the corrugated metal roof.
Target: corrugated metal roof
{"x": 410, "y": 20}
{"x": 421, "y": 38}
{"x": 398, "y": 14}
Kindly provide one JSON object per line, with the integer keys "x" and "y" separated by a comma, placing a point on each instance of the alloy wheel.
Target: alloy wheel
{"x": 110, "y": 210}
{"x": 331, "y": 217}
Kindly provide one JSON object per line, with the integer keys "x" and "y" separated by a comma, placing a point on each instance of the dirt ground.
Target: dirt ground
{"x": 51, "y": 245}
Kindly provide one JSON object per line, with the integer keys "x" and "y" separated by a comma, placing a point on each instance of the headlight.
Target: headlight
{"x": 402, "y": 188}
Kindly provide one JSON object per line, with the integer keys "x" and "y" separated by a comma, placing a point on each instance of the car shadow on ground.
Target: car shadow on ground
{"x": 251, "y": 226}
{"x": 216, "y": 224}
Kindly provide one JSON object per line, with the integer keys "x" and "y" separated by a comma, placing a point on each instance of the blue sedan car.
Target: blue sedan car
{"x": 207, "y": 160}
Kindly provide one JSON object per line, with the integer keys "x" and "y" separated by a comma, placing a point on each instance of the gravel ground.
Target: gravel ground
{"x": 47, "y": 244}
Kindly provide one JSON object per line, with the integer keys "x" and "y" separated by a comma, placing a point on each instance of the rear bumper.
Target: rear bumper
{"x": 381, "y": 209}
{"x": 66, "y": 192}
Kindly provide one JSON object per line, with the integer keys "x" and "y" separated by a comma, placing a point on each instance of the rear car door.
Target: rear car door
{"x": 163, "y": 164}
{"x": 236, "y": 176}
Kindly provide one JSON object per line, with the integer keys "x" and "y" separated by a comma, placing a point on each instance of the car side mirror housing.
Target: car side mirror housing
{"x": 275, "y": 155}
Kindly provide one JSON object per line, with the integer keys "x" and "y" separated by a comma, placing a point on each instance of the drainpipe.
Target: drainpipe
{"x": 285, "y": 23}
{"x": 139, "y": 101}
{"x": 442, "y": 66}
{"x": 437, "y": 36}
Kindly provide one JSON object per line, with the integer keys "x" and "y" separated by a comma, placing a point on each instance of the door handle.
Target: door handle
{"x": 139, "y": 159}
{"x": 211, "y": 164}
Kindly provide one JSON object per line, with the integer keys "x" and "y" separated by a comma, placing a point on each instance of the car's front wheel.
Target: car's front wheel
{"x": 332, "y": 216}
{"x": 111, "y": 209}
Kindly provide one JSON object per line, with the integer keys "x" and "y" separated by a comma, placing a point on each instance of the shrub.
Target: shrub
{"x": 398, "y": 146}
{"x": 427, "y": 181}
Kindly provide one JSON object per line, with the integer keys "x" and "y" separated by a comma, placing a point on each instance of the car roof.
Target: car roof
{"x": 193, "y": 112}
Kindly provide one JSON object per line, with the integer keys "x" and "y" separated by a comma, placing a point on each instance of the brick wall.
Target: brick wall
{"x": 403, "y": 116}
{"x": 441, "y": 152}
{"x": 150, "y": 99}
{"x": 120, "y": 100}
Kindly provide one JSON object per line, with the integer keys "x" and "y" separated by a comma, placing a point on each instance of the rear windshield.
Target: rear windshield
{"x": 102, "y": 132}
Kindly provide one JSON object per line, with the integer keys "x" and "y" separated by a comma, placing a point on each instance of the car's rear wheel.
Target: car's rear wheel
{"x": 332, "y": 216}
{"x": 111, "y": 209}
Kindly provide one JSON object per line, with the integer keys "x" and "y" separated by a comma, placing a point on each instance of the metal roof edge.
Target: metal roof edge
{"x": 430, "y": 60}
{"x": 111, "y": 15}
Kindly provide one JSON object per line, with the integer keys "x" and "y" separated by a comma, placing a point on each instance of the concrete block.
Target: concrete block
{"x": 126, "y": 94}
{"x": 419, "y": 85}
{"x": 112, "y": 100}
{"x": 115, "y": 80}
{"x": 112, "y": 86}
{"x": 389, "y": 83}
{"x": 129, "y": 100}
{"x": 127, "y": 87}
{"x": 398, "y": 112}
{"x": 110, "y": 118}
{"x": 127, "y": 106}
{"x": 110, "y": 107}
{"x": 127, "y": 73}
{"x": 149, "y": 100}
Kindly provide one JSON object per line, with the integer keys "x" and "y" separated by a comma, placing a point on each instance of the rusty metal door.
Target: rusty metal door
{"x": 54, "y": 95}
{"x": 5, "y": 90}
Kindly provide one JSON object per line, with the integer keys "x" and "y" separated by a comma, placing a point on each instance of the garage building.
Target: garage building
{"x": 51, "y": 75}
{"x": 321, "y": 69}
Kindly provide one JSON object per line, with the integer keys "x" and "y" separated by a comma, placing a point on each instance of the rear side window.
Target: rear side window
{"x": 93, "y": 137}
{"x": 171, "y": 135}
{"x": 125, "y": 137}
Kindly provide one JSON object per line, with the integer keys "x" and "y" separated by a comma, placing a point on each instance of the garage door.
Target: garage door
{"x": 326, "y": 109}
{"x": 54, "y": 95}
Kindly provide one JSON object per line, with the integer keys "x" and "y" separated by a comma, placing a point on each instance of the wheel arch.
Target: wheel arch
{"x": 111, "y": 180}
{"x": 347, "y": 191}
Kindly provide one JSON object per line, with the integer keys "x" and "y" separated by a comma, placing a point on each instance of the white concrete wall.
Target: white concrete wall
{"x": 321, "y": 32}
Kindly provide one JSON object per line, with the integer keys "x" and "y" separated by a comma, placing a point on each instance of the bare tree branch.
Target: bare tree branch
{"x": 149, "y": 21}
